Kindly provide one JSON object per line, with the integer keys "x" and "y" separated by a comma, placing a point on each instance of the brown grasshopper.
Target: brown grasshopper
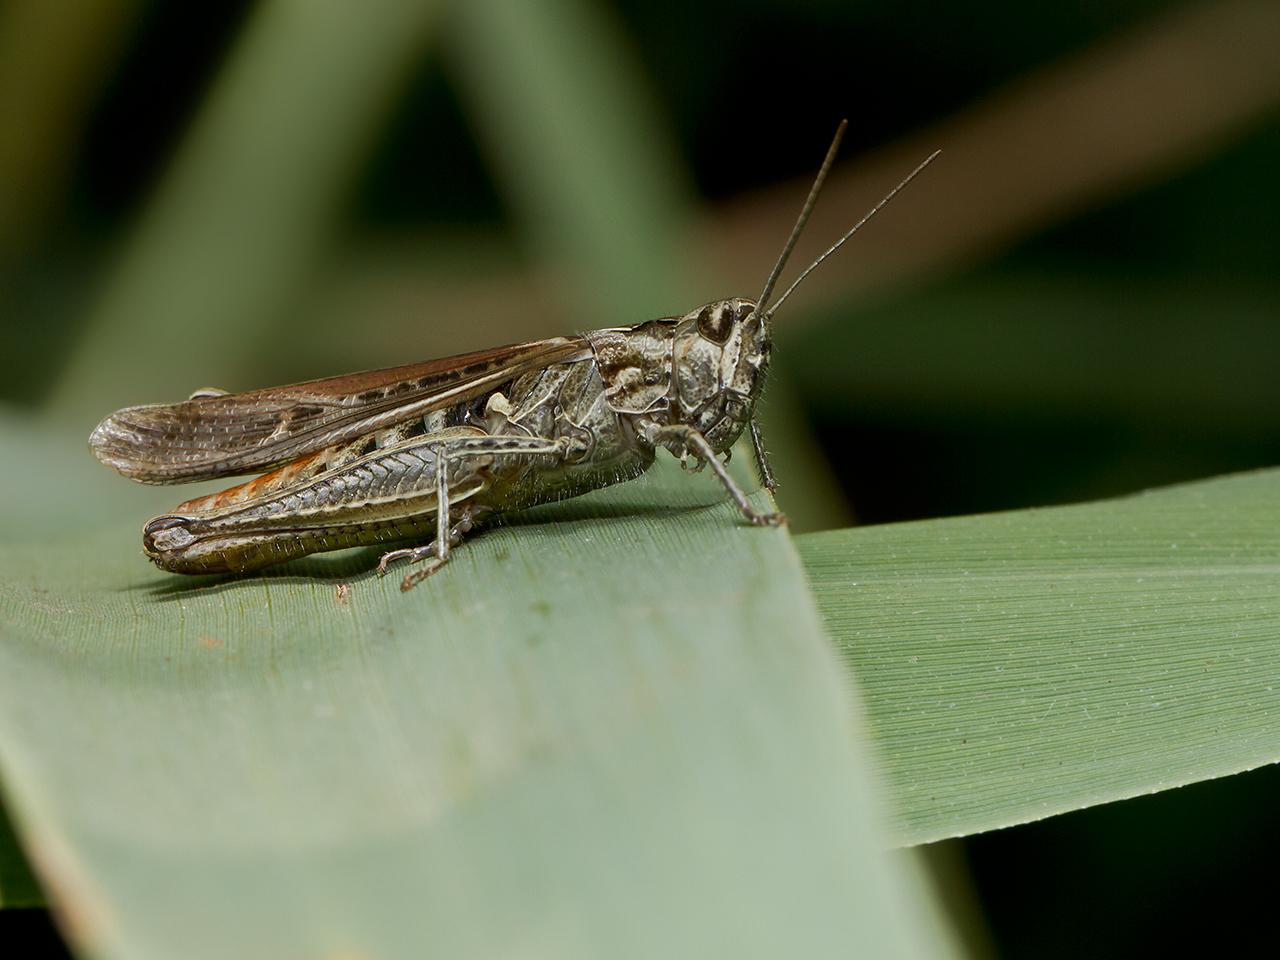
{"x": 436, "y": 448}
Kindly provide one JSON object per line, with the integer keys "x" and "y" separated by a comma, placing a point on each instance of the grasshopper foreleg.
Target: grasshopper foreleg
{"x": 436, "y": 553}
{"x": 693, "y": 441}
{"x": 762, "y": 458}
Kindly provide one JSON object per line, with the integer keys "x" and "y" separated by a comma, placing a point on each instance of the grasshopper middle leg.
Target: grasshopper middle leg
{"x": 436, "y": 553}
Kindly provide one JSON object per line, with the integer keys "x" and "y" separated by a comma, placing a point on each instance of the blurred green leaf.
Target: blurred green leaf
{"x": 53, "y": 58}
{"x": 808, "y": 490}
{"x": 619, "y": 733}
{"x": 18, "y": 888}
{"x": 240, "y": 219}
{"x": 1023, "y": 664}
{"x": 1065, "y": 342}
{"x": 574, "y": 136}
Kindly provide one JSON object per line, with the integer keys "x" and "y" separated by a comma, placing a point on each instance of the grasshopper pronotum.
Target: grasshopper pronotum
{"x": 435, "y": 448}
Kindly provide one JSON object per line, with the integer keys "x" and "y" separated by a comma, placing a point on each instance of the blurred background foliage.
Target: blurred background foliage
{"x": 1080, "y": 298}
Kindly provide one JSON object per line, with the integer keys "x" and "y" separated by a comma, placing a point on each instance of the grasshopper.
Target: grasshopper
{"x": 429, "y": 451}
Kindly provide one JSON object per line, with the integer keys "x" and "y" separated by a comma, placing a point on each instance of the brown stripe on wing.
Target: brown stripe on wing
{"x": 224, "y": 435}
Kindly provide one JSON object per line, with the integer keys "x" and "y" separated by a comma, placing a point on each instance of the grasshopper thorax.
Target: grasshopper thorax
{"x": 720, "y": 355}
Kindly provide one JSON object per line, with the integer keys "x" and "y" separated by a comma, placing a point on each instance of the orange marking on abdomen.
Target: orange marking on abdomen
{"x": 267, "y": 483}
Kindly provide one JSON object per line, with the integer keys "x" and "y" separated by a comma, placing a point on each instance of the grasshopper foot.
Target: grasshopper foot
{"x": 413, "y": 579}
{"x": 425, "y": 555}
{"x": 412, "y": 554}
{"x": 434, "y": 556}
{"x": 767, "y": 519}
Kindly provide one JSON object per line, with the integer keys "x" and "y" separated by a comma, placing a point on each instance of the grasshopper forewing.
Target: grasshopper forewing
{"x": 217, "y": 434}
{"x": 425, "y": 452}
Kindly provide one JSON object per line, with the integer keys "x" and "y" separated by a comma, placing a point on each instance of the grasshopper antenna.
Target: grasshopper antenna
{"x": 801, "y": 220}
{"x": 852, "y": 230}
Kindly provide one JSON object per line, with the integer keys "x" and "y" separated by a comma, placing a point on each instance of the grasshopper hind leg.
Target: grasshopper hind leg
{"x": 433, "y": 556}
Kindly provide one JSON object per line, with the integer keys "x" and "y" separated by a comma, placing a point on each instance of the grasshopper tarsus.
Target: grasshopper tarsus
{"x": 412, "y": 554}
{"x": 435, "y": 447}
{"x": 411, "y": 580}
{"x": 431, "y": 559}
{"x": 435, "y": 553}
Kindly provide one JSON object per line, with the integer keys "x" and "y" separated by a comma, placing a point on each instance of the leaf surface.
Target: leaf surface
{"x": 614, "y": 728}
{"x": 1022, "y": 664}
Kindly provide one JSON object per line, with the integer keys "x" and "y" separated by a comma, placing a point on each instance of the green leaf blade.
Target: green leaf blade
{"x": 1024, "y": 664}
{"x": 610, "y": 728}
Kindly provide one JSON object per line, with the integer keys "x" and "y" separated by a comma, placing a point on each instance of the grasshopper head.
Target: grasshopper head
{"x": 720, "y": 355}
{"x": 721, "y": 351}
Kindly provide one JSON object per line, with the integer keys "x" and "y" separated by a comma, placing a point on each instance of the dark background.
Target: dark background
{"x": 1122, "y": 337}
